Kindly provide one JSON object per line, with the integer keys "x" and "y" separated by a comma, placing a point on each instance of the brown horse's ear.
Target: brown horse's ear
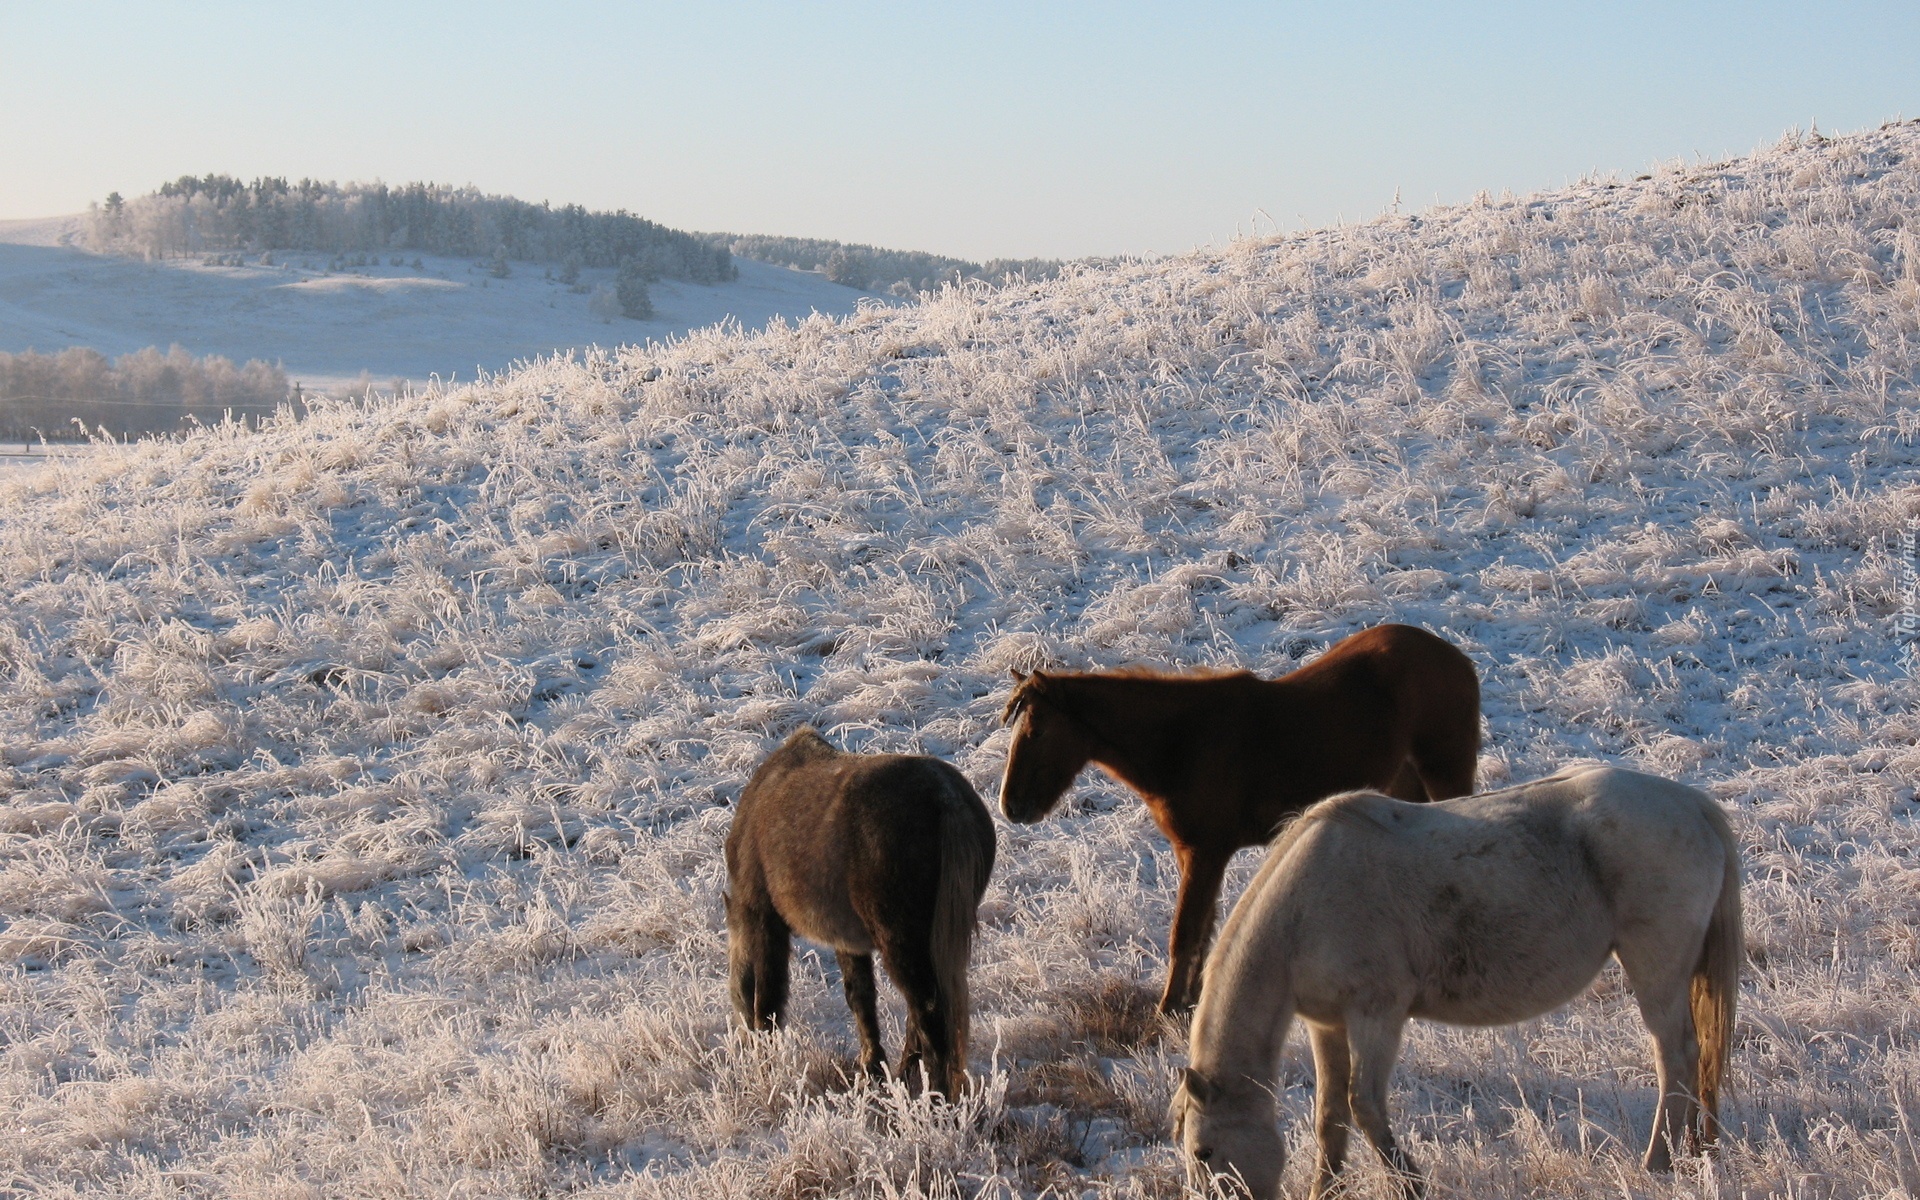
{"x": 1021, "y": 696}
{"x": 1199, "y": 1087}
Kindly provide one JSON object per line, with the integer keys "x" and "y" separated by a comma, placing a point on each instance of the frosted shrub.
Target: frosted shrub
{"x": 275, "y": 928}
{"x": 604, "y": 303}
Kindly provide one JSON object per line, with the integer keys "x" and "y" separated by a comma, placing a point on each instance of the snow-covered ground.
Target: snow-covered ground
{"x": 365, "y": 778}
{"x": 15, "y": 455}
{"x": 450, "y": 318}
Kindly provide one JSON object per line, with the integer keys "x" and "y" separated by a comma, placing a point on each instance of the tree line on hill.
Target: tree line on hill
{"x": 219, "y": 214}
{"x": 216, "y": 213}
{"x": 42, "y": 396}
{"x": 871, "y": 268}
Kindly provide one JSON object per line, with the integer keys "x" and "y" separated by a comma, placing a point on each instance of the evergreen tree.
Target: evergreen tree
{"x": 631, "y": 290}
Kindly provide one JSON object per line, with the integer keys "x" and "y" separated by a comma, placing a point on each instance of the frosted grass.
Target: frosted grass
{"x": 364, "y": 779}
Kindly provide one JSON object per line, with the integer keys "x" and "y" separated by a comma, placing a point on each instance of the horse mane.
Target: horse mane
{"x": 1022, "y": 695}
{"x": 1142, "y": 671}
{"x": 1035, "y": 684}
{"x": 806, "y": 743}
{"x": 1343, "y": 807}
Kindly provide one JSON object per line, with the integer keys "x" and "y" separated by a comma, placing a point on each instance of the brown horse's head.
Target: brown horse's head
{"x": 1048, "y": 751}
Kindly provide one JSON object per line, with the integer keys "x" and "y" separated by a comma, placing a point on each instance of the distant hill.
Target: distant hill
{"x": 219, "y": 213}
{"x": 899, "y": 272}
{"x": 336, "y": 322}
{"x": 340, "y": 288}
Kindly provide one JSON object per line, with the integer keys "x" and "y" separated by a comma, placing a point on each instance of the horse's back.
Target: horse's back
{"x": 1439, "y": 911}
{"x": 1659, "y": 846}
{"x": 1494, "y": 907}
{"x": 1377, "y": 700}
{"x": 1647, "y": 843}
{"x": 1399, "y": 658}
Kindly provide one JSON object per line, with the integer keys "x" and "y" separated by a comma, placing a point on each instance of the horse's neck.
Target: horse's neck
{"x": 1246, "y": 1002}
{"x": 1122, "y": 717}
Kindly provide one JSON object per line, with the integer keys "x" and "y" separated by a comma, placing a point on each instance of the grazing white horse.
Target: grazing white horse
{"x": 1480, "y": 911}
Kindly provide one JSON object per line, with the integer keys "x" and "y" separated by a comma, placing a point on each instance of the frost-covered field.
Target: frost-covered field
{"x": 366, "y": 778}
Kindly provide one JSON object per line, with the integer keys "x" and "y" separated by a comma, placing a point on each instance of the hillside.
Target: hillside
{"x": 366, "y": 777}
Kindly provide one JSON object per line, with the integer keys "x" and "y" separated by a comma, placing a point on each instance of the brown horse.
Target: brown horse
{"x": 1222, "y": 760}
{"x": 861, "y": 852}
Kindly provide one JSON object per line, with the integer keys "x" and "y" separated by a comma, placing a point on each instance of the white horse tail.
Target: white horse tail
{"x": 1716, "y": 983}
{"x": 964, "y": 868}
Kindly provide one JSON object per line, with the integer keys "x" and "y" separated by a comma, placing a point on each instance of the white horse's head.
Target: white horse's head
{"x": 1231, "y": 1140}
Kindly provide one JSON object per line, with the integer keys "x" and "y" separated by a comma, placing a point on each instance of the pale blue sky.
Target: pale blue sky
{"x": 980, "y": 130}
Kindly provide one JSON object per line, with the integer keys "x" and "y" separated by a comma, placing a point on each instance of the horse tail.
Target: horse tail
{"x": 1716, "y": 982}
{"x": 966, "y": 862}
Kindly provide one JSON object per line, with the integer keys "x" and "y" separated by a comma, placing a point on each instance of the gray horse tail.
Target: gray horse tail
{"x": 965, "y": 864}
{"x": 1716, "y": 983}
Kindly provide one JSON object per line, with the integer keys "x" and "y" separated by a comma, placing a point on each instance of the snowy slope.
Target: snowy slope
{"x": 366, "y": 777}
{"x": 448, "y": 319}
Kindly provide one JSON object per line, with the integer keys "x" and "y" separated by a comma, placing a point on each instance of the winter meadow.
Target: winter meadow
{"x": 365, "y": 775}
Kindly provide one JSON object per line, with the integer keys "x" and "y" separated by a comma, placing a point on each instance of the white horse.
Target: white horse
{"x": 1485, "y": 910}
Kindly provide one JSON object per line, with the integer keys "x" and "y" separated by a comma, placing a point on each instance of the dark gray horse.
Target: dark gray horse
{"x": 861, "y": 852}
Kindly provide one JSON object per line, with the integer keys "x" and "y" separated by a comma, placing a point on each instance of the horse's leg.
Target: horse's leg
{"x": 929, "y": 1040}
{"x": 1448, "y": 758}
{"x": 1662, "y": 982}
{"x": 1407, "y": 785}
{"x": 1332, "y": 1113}
{"x": 761, "y": 946}
{"x": 1375, "y": 1045}
{"x": 1193, "y": 914}
{"x": 856, "y": 975}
